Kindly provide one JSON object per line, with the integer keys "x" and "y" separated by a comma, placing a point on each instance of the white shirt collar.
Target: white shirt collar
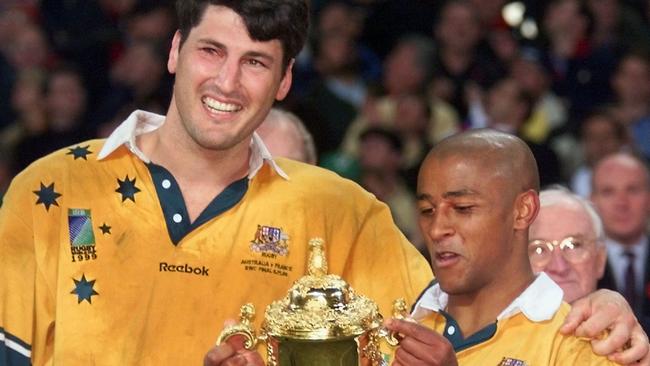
{"x": 538, "y": 302}
{"x": 141, "y": 122}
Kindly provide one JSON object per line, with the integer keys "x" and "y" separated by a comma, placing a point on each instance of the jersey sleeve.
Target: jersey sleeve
{"x": 384, "y": 265}
{"x": 25, "y": 300}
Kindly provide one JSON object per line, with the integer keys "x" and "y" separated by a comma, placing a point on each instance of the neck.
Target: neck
{"x": 200, "y": 173}
{"x": 474, "y": 311}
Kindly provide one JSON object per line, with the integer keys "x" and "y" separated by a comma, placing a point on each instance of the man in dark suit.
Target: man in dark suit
{"x": 621, "y": 193}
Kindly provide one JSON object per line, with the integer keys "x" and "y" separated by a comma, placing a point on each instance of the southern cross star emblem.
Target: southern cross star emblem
{"x": 84, "y": 289}
{"x": 79, "y": 152}
{"x": 47, "y": 196}
{"x": 127, "y": 188}
{"x": 105, "y": 229}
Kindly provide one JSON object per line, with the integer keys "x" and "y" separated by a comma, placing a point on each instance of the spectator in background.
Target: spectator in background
{"x": 463, "y": 58}
{"x": 531, "y": 71}
{"x": 621, "y": 194}
{"x": 601, "y": 134}
{"x": 617, "y": 27}
{"x": 412, "y": 124}
{"x": 505, "y": 108}
{"x": 631, "y": 83}
{"x": 335, "y": 97}
{"x": 81, "y": 33}
{"x": 27, "y": 99}
{"x": 581, "y": 71}
{"x": 66, "y": 105}
{"x": 138, "y": 81}
{"x": 380, "y": 160}
{"x": 151, "y": 20}
{"x": 407, "y": 71}
{"x": 566, "y": 241}
{"x": 285, "y": 135}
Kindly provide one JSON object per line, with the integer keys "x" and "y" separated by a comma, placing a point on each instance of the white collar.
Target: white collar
{"x": 141, "y": 122}
{"x": 538, "y": 302}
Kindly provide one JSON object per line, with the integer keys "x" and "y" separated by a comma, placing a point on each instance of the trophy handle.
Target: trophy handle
{"x": 400, "y": 311}
{"x": 243, "y": 328}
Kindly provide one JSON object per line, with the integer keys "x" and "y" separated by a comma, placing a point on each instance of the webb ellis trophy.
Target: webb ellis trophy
{"x": 321, "y": 322}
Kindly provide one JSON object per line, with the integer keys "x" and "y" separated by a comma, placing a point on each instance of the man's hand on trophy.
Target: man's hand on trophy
{"x": 232, "y": 352}
{"x": 420, "y": 346}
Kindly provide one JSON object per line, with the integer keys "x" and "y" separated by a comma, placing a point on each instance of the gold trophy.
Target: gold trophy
{"x": 321, "y": 322}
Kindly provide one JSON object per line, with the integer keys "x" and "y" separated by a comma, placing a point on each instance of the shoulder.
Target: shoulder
{"x": 311, "y": 180}
{"x": 59, "y": 167}
{"x": 572, "y": 350}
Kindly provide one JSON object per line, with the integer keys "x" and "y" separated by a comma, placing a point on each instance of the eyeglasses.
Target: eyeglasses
{"x": 573, "y": 249}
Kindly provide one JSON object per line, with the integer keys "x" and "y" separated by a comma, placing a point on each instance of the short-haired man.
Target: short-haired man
{"x": 566, "y": 242}
{"x": 477, "y": 197}
{"x": 286, "y": 136}
{"x": 621, "y": 194}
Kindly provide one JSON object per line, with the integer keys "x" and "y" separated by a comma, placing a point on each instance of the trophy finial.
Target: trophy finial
{"x": 317, "y": 262}
{"x": 243, "y": 328}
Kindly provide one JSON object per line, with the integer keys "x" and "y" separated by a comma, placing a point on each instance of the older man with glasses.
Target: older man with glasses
{"x": 566, "y": 242}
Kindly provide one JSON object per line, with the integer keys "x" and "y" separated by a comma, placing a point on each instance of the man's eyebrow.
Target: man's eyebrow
{"x": 253, "y": 54}
{"x": 451, "y": 194}
{"x": 460, "y": 193}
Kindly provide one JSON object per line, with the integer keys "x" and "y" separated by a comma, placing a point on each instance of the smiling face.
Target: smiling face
{"x": 225, "y": 81}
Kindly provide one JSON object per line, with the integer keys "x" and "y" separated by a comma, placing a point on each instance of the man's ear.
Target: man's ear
{"x": 526, "y": 209}
{"x": 172, "y": 61}
{"x": 285, "y": 84}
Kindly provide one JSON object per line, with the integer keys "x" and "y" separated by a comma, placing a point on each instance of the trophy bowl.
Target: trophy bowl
{"x": 321, "y": 322}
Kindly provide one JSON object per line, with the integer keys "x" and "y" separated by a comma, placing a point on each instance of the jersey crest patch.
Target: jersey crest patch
{"x": 270, "y": 240}
{"x": 507, "y": 361}
{"x": 82, "y": 238}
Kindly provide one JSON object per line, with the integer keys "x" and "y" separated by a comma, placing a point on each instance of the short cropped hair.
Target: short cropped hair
{"x": 560, "y": 196}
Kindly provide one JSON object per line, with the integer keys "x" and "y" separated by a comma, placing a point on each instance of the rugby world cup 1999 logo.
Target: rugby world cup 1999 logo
{"x": 82, "y": 238}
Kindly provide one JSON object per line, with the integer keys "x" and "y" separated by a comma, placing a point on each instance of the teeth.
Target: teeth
{"x": 220, "y": 107}
{"x": 446, "y": 255}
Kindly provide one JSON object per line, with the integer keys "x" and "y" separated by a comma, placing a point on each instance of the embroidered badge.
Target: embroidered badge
{"x": 82, "y": 238}
{"x": 507, "y": 361}
{"x": 270, "y": 240}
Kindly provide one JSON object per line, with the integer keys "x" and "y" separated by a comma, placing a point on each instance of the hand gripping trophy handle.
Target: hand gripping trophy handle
{"x": 400, "y": 311}
{"x": 243, "y": 328}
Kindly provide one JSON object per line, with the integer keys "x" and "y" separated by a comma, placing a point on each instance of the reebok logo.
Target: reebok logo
{"x": 186, "y": 268}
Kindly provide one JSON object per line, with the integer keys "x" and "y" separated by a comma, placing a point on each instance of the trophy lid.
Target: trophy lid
{"x": 320, "y": 306}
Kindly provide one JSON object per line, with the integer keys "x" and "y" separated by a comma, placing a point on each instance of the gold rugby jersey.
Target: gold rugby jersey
{"x": 526, "y": 333}
{"x": 100, "y": 267}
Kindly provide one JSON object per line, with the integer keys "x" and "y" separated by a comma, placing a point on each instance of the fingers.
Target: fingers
{"x": 638, "y": 351}
{"x": 420, "y": 345}
{"x": 610, "y": 315}
{"x": 226, "y": 355}
{"x": 218, "y": 354}
{"x": 580, "y": 310}
{"x": 414, "y": 330}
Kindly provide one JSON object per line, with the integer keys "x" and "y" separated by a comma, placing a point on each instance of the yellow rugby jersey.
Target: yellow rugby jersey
{"x": 100, "y": 267}
{"x": 526, "y": 333}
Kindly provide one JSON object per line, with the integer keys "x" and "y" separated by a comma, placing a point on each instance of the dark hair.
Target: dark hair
{"x": 604, "y": 113}
{"x": 266, "y": 20}
{"x": 387, "y": 134}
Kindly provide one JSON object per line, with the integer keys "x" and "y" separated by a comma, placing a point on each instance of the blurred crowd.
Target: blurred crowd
{"x": 379, "y": 83}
